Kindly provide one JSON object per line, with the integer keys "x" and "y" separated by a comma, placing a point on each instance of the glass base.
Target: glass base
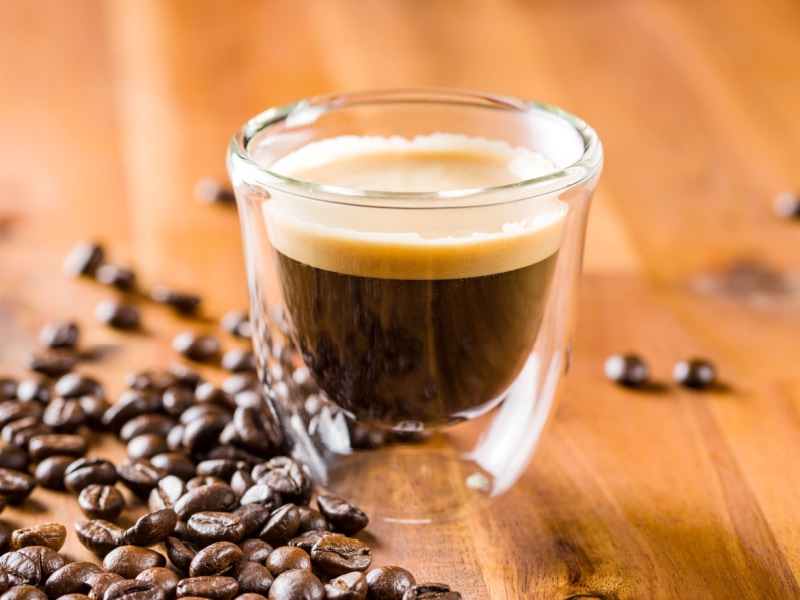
{"x": 411, "y": 485}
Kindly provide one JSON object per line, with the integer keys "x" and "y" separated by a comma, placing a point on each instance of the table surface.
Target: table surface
{"x": 111, "y": 111}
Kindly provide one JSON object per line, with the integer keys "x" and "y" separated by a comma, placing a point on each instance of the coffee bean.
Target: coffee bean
{"x": 312, "y": 520}
{"x": 255, "y": 550}
{"x": 202, "y": 433}
{"x": 241, "y": 481}
{"x": 118, "y": 314}
{"x": 254, "y": 516}
{"x": 211, "y": 526}
{"x": 151, "y": 528}
{"x": 236, "y": 383}
{"x": 130, "y": 404}
{"x": 787, "y": 205}
{"x": 57, "y": 444}
{"x": 218, "y": 558}
{"x": 49, "y": 473}
{"x": 253, "y": 578}
{"x": 64, "y": 415}
{"x": 388, "y": 583}
{"x": 336, "y": 554}
{"x": 197, "y": 347}
{"x": 90, "y": 470}
{"x": 297, "y": 584}
{"x": 34, "y": 389}
{"x": 13, "y": 410}
{"x": 349, "y": 586}
{"x": 13, "y": 457}
{"x": 19, "y": 432}
{"x": 167, "y": 492}
{"x": 72, "y": 578}
{"x": 224, "y": 468}
{"x": 237, "y": 359}
{"x": 176, "y": 399}
{"x": 252, "y": 432}
{"x": 52, "y": 363}
{"x": 162, "y": 578}
{"x": 431, "y": 591}
{"x": 15, "y": 486}
{"x": 175, "y": 463}
{"x": 696, "y": 373}
{"x": 59, "y": 334}
{"x": 282, "y": 525}
{"x": 118, "y": 275}
{"x": 285, "y": 476}
{"x": 83, "y": 259}
{"x": 99, "y": 536}
{"x": 50, "y": 535}
{"x": 24, "y": 592}
{"x": 147, "y": 445}
{"x": 47, "y": 559}
{"x": 208, "y": 498}
{"x": 147, "y": 423}
{"x": 181, "y": 302}
{"x": 101, "y": 501}
{"x": 75, "y": 385}
{"x": 262, "y": 495}
{"x": 129, "y": 561}
{"x": 211, "y": 587}
{"x": 343, "y": 516}
{"x": 21, "y": 569}
{"x": 286, "y": 558}
{"x": 130, "y": 589}
{"x": 101, "y": 582}
{"x": 180, "y": 553}
{"x": 140, "y": 476}
{"x": 307, "y": 539}
{"x": 94, "y": 407}
{"x": 237, "y": 323}
{"x": 626, "y": 369}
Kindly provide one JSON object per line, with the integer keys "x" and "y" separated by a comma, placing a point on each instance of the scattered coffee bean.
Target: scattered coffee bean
{"x": 253, "y": 578}
{"x": 34, "y": 390}
{"x": 131, "y": 589}
{"x": 297, "y": 583}
{"x": 210, "y": 526}
{"x": 180, "y": 553}
{"x": 59, "y": 334}
{"x": 181, "y": 302}
{"x": 118, "y": 314}
{"x": 72, "y": 578}
{"x": 335, "y": 554}
{"x": 99, "y": 536}
{"x": 151, "y": 528}
{"x": 350, "y": 586}
{"x": 236, "y": 360}
{"x": 197, "y": 347}
{"x": 162, "y": 578}
{"x": 129, "y": 561}
{"x": 15, "y": 486}
{"x": 389, "y": 583}
{"x": 118, "y": 275}
{"x": 211, "y": 190}
{"x": 50, "y": 535}
{"x": 87, "y": 471}
{"x": 695, "y": 373}
{"x": 101, "y": 501}
{"x": 24, "y": 592}
{"x": 20, "y": 569}
{"x": 282, "y": 525}
{"x": 52, "y": 363}
{"x": 287, "y": 558}
{"x": 237, "y": 323}
{"x": 57, "y": 444}
{"x": 64, "y": 415}
{"x": 83, "y": 259}
{"x": 787, "y": 205}
{"x": 13, "y": 457}
{"x": 431, "y": 591}
{"x": 343, "y": 516}
{"x": 140, "y": 476}
{"x": 207, "y": 498}
{"x": 75, "y": 385}
{"x": 48, "y": 560}
{"x": 627, "y": 369}
{"x": 218, "y": 558}
{"x": 49, "y": 473}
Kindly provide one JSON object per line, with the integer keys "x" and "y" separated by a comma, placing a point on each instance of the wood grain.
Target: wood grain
{"x": 111, "y": 111}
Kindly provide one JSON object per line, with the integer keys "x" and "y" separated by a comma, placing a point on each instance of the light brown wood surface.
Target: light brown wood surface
{"x": 110, "y": 111}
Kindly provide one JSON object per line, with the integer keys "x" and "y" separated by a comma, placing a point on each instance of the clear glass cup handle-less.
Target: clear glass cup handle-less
{"x": 412, "y": 342}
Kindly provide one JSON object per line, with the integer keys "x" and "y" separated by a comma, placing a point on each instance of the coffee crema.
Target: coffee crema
{"x": 418, "y": 316}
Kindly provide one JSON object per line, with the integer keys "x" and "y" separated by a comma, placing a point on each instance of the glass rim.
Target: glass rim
{"x": 307, "y": 110}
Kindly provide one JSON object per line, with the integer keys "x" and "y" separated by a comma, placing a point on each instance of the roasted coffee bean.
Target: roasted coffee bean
{"x": 211, "y": 190}
{"x": 336, "y": 554}
{"x": 262, "y": 495}
{"x": 83, "y": 258}
{"x": 182, "y": 302}
{"x": 307, "y": 539}
{"x": 34, "y": 390}
{"x": 200, "y": 411}
{"x": 152, "y": 528}
{"x": 253, "y": 578}
{"x": 312, "y": 520}
{"x": 197, "y": 347}
{"x": 101, "y": 501}
{"x": 147, "y": 445}
{"x": 52, "y": 363}
{"x": 629, "y": 370}
{"x": 208, "y": 393}
{"x": 211, "y": 587}
{"x": 237, "y": 323}
{"x": 140, "y": 476}
{"x": 236, "y": 383}
{"x": 254, "y": 517}
{"x": 64, "y": 415}
{"x": 59, "y": 334}
{"x": 224, "y": 468}
{"x": 50, "y": 535}
{"x": 241, "y": 481}
{"x": 129, "y": 561}
{"x": 388, "y": 583}
{"x": 130, "y": 404}
{"x": 211, "y": 526}
{"x": 185, "y": 375}
{"x": 255, "y": 550}
{"x": 118, "y": 314}
{"x": 218, "y": 558}
{"x": 19, "y": 432}
{"x": 24, "y": 592}
{"x": 251, "y": 432}
{"x": 50, "y": 472}
{"x": 431, "y": 591}
{"x": 202, "y": 434}
{"x": 99, "y": 536}
{"x": 13, "y": 457}
{"x": 343, "y": 516}
{"x": 176, "y": 399}
{"x": 101, "y": 582}
{"x": 130, "y": 589}
{"x": 89, "y": 470}
{"x": 286, "y": 558}
{"x": 162, "y": 578}
{"x": 74, "y": 385}
{"x": 238, "y": 359}
{"x": 151, "y": 381}
{"x": 180, "y": 553}
{"x": 350, "y": 586}
{"x": 20, "y": 569}
{"x": 57, "y": 444}
{"x": 11, "y": 410}
{"x": 15, "y": 486}
{"x": 47, "y": 559}
{"x": 8, "y": 388}
{"x": 696, "y": 373}
{"x": 149, "y": 423}
{"x": 118, "y": 275}
{"x": 72, "y": 578}
{"x": 282, "y": 525}
{"x": 94, "y": 407}
{"x": 298, "y": 584}
{"x": 204, "y": 480}
{"x": 217, "y": 497}
{"x": 787, "y": 205}
{"x": 175, "y": 463}
{"x": 167, "y": 492}
{"x": 285, "y": 476}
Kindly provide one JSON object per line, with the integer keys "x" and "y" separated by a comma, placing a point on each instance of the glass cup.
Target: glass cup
{"x": 412, "y": 259}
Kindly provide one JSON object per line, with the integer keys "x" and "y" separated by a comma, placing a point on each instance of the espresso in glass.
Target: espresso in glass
{"x": 430, "y": 321}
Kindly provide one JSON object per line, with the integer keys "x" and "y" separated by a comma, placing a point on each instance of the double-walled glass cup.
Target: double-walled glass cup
{"x": 412, "y": 259}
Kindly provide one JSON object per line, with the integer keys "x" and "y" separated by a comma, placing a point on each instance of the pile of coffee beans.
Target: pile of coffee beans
{"x": 229, "y": 516}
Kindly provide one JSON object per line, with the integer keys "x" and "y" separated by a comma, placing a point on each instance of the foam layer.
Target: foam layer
{"x": 419, "y": 243}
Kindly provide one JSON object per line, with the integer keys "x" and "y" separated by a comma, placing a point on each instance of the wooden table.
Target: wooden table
{"x": 111, "y": 111}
